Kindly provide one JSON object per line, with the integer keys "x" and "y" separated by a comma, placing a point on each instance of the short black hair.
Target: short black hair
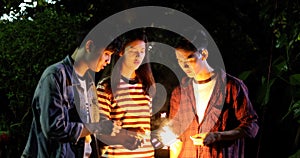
{"x": 99, "y": 39}
{"x": 197, "y": 40}
{"x": 114, "y": 46}
{"x": 183, "y": 43}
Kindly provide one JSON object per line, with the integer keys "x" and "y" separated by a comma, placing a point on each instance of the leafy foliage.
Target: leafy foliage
{"x": 27, "y": 47}
{"x": 260, "y": 40}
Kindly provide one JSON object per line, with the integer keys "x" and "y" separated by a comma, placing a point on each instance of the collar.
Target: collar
{"x": 206, "y": 80}
{"x": 220, "y": 74}
{"x": 69, "y": 62}
{"x": 130, "y": 81}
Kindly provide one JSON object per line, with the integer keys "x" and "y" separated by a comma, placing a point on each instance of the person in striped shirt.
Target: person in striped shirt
{"x": 126, "y": 97}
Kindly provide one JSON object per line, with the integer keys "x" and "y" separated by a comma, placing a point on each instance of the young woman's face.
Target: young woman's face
{"x": 134, "y": 54}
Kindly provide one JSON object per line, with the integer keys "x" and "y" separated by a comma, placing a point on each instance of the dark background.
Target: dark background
{"x": 258, "y": 40}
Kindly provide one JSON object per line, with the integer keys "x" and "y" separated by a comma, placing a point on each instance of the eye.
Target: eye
{"x": 180, "y": 61}
{"x": 191, "y": 60}
{"x": 133, "y": 52}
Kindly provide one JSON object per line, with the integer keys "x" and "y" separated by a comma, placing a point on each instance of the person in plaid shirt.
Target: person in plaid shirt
{"x": 210, "y": 110}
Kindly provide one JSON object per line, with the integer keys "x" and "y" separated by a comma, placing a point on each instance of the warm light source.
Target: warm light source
{"x": 167, "y": 136}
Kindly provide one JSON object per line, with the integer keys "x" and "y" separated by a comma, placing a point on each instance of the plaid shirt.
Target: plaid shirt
{"x": 229, "y": 108}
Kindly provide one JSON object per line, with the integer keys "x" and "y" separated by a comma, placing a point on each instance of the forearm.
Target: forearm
{"x": 110, "y": 140}
{"x": 229, "y": 135}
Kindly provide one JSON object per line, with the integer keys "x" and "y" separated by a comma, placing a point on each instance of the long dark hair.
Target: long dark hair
{"x": 144, "y": 72}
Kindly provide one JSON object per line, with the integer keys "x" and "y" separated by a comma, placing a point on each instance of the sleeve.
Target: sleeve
{"x": 54, "y": 116}
{"x": 174, "y": 115}
{"x": 244, "y": 110}
{"x": 105, "y": 102}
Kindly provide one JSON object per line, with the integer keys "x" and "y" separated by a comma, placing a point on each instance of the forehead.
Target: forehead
{"x": 136, "y": 44}
{"x": 181, "y": 53}
{"x": 109, "y": 52}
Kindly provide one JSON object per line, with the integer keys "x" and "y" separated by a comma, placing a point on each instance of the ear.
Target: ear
{"x": 89, "y": 46}
{"x": 121, "y": 53}
{"x": 204, "y": 54}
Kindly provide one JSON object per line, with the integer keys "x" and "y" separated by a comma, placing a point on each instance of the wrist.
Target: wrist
{"x": 217, "y": 136}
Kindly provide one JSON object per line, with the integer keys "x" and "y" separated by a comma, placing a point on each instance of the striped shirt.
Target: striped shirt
{"x": 133, "y": 108}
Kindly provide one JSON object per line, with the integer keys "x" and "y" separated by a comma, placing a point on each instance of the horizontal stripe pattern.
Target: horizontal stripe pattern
{"x": 134, "y": 109}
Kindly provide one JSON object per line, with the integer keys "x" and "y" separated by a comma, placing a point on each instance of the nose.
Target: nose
{"x": 137, "y": 54}
{"x": 185, "y": 65}
{"x": 108, "y": 59}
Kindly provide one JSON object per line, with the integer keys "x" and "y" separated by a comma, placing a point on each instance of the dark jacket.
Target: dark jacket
{"x": 56, "y": 124}
{"x": 229, "y": 107}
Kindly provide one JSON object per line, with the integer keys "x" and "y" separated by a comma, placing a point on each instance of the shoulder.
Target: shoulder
{"x": 232, "y": 80}
{"x": 104, "y": 85}
{"x": 228, "y": 79}
{"x": 235, "y": 85}
{"x": 54, "y": 71}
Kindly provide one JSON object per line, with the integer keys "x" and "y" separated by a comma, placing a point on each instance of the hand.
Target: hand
{"x": 139, "y": 133}
{"x": 198, "y": 139}
{"x": 117, "y": 126}
{"x": 129, "y": 141}
{"x": 211, "y": 137}
{"x": 135, "y": 131}
{"x": 205, "y": 138}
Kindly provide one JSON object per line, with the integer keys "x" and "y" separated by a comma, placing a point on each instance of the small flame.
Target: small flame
{"x": 163, "y": 115}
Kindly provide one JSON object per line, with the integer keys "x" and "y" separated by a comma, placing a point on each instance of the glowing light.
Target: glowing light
{"x": 163, "y": 115}
{"x": 168, "y": 137}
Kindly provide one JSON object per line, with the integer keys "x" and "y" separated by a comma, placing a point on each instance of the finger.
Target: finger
{"x": 136, "y": 144}
{"x": 202, "y": 135}
{"x": 116, "y": 130}
{"x": 118, "y": 123}
{"x": 130, "y": 146}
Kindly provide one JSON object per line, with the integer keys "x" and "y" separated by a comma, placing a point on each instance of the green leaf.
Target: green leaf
{"x": 295, "y": 79}
{"x": 244, "y": 75}
{"x": 295, "y": 155}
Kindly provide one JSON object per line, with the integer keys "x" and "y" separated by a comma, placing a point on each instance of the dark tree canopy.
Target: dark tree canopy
{"x": 259, "y": 42}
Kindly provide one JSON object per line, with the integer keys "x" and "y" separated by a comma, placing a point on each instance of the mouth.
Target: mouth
{"x": 103, "y": 66}
{"x": 136, "y": 62}
{"x": 188, "y": 71}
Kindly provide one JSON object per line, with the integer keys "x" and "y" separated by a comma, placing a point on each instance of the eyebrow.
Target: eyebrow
{"x": 192, "y": 55}
{"x": 188, "y": 57}
{"x": 110, "y": 53}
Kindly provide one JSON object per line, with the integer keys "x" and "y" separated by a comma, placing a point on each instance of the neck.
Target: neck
{"x": 80, "y": 66}
{"x": 128, "y": 73}
{"x": 204, "y": 74}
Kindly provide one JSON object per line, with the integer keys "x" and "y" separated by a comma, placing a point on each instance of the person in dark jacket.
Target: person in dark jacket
{"x": 210, "y": 111}
{"x": 66, "y": 116}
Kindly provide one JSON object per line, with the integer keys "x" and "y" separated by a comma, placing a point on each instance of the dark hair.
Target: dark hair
{"x": 114, "y": 45}
{"x": 191, "y": 37}
{"x": 144, "y": 72}
{"x": 185, "y": 44}
{"x": 100, "y": 39}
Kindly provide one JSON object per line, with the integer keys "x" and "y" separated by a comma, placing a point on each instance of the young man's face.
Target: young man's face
{"x": 189, "y": 61}
{"x": 99, "y": 60}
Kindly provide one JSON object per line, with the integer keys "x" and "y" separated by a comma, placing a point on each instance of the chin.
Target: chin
{"x": 191, "y": 76}
{"x": 96, "y": 69}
